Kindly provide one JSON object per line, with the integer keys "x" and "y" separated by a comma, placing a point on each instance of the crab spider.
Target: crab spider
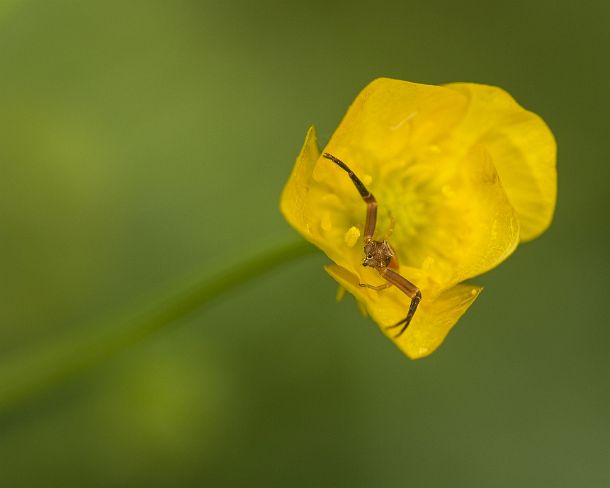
{"x": 379, "y": 254}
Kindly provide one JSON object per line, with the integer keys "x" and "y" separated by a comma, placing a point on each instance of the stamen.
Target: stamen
{"x": 428, "y": 263}
{"x": 326, "y": 223}
{"x": 447, "y": 191}
{"x": 340, "y": 293}
{"x": 352, "y": 235}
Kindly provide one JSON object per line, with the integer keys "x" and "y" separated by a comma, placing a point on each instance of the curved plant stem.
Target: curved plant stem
{"x": 28, "y": 375}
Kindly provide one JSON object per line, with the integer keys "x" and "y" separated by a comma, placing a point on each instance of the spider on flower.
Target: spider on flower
{"x": 379, "y": 254}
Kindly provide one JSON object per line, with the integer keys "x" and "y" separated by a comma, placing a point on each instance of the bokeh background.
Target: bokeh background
{"x": 145, "y": 143}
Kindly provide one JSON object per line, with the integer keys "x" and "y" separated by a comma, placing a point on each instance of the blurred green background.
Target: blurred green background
{"x": 144, "y": 143}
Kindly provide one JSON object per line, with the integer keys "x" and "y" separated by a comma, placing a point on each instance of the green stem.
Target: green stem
{"x": 28, "y": 375}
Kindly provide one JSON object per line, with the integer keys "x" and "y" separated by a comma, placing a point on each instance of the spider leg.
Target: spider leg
{"x": 367, "y": 196}
{"x": 377, "y": 288}
{"x": 408, "y": 289}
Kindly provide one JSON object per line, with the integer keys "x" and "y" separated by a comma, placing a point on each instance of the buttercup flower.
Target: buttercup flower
{"x": 461, "y": 172}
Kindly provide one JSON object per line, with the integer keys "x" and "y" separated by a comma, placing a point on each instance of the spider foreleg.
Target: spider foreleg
{"x": 408, "y": 289}
{"x": 367, "y": 196}
{"x": 407, "y": 320}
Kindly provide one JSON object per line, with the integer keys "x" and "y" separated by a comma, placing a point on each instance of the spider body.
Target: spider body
{"x": 379, "y": 254}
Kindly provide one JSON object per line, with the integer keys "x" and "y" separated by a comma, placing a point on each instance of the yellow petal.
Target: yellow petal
{"x": 521, "y": 147}
{"x": 315, "y": 209}
{"x": 393, "y": 119}
{"x": 432, "y": 322}
{"x": 294, "y": 201}
{"x": 473, "y": 226}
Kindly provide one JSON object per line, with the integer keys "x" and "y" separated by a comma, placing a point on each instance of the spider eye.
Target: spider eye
{"x": 369, "y": 256}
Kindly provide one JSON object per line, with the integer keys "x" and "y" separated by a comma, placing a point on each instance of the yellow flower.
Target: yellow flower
{"x": 463, "y": 171}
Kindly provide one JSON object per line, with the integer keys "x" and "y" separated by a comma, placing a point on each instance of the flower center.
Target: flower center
{"x": 417, "y": 194}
